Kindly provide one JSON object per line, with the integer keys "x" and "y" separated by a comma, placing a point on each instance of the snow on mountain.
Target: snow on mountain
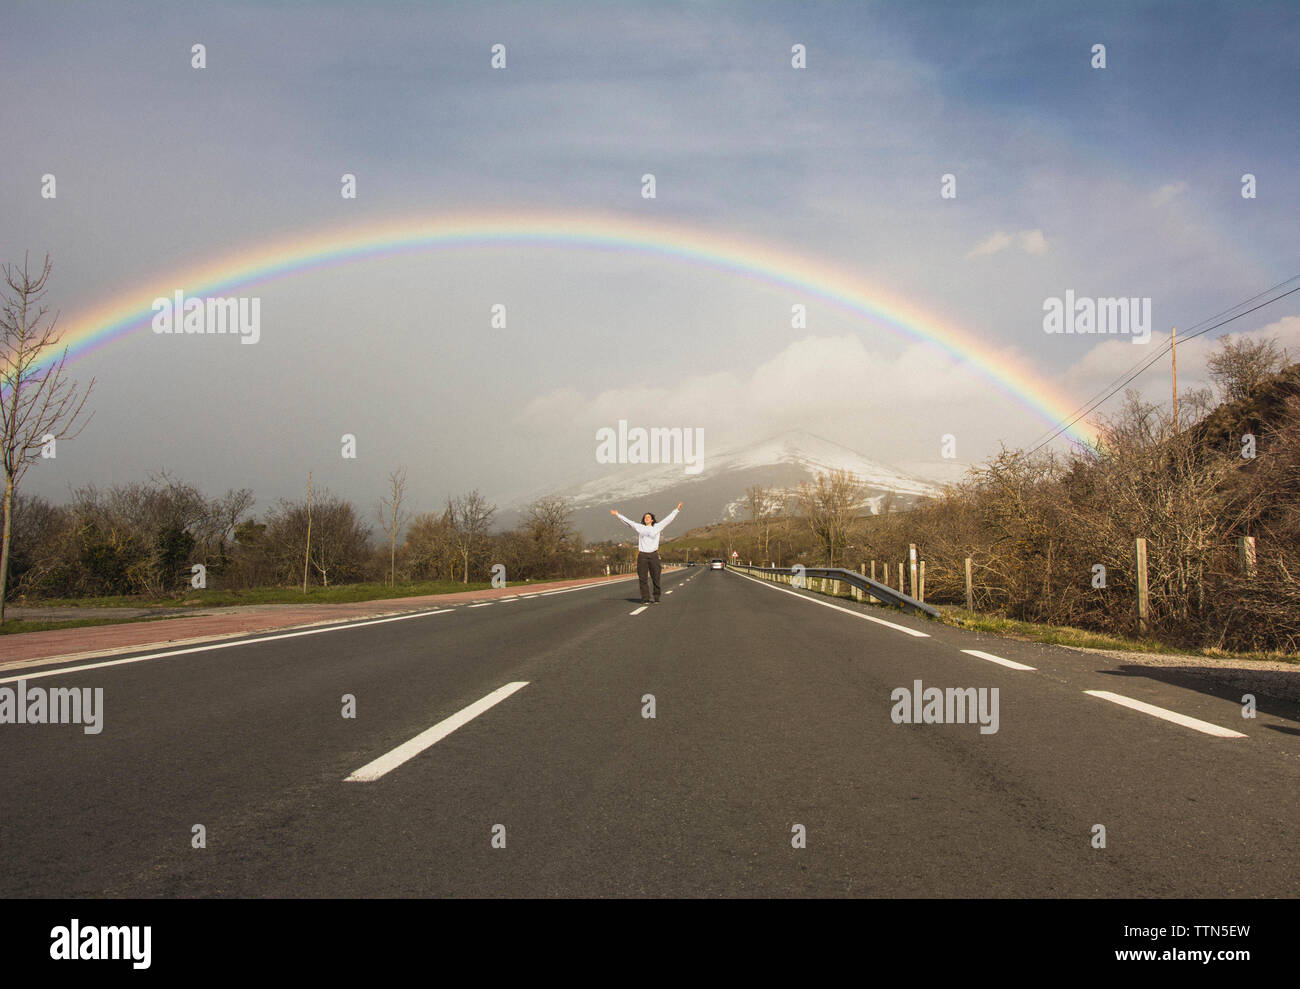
{"x": 818, "y": 456}
{"x": 780, "y": 463}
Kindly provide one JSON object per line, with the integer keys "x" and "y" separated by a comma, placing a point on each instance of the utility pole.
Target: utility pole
{"x": 307, "y": 557}
{"x": 1173, "y": 349}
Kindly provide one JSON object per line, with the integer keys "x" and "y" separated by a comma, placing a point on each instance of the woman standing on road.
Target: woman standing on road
{"x": 647, "y": 544}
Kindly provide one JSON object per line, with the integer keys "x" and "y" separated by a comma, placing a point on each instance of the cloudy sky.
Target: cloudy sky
{"x": 1116, "y": 181}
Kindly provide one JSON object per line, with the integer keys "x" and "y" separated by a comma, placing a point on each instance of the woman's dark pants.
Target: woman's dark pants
{"x": 648, "y": 567}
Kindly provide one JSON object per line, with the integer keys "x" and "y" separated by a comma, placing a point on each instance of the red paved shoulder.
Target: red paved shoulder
{"x": 99, "y": 640}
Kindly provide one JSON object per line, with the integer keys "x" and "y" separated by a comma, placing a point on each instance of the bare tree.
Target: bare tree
{"x": 40, "y": 537}
{"x": 224, "y": 516}
{"x": 38, "y": 405}
{"x": 429, "y": 545}
{"x": 340, "y": 542}
{"x": 228, "y": 512}
{"x": 340, "y": 539}
{"x": 471, "y": 515}
{"x": 391, "y": 518}
{"x": 765, "y": 507}
{"x": 1239, "y": 366}
{"x": 548, "y": 525}
{"x": 829, "y": 504}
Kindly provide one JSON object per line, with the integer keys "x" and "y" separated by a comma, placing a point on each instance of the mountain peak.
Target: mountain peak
{"x": 818, "y": 454}
{"x": 780, "y": 463}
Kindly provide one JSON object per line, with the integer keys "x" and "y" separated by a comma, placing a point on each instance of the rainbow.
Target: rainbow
{"x": 807, "y": 277}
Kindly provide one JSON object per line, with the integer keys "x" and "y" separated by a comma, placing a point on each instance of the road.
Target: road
{"x": 771, "y": 711}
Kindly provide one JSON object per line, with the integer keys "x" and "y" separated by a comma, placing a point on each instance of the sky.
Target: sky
{"x": 1117, "y": 181}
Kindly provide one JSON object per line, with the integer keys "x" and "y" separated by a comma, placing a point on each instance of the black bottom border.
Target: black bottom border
{"x": 964, "y": 938}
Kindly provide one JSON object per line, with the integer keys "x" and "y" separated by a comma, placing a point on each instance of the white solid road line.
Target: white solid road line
{"x": 485, "y": 604}
{"x": 284, "y": 635}
{"x": 1160, "y": 712}
{"x": 410, "y": 749}
{"x": 1011, "y": 664}
{"x": 584, "y": 587}
{"x": 639, "y": 610}
{"x": 827, "y": 604}
{"x": 219, "y": 645}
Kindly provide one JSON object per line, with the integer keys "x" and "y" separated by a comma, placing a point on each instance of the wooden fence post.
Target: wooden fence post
{"x": 921, "y": 585}
{"x": 970, "y": 589}
{"x": 1246, "y": 554}
{"x": 911, "y": 563}
{"x": 1143, "y": 599}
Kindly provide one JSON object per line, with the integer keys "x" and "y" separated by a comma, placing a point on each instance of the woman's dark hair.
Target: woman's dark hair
{"x": 653, "y": 520}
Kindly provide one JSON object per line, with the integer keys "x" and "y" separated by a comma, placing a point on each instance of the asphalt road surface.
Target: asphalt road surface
{"x": 522, "y": 724}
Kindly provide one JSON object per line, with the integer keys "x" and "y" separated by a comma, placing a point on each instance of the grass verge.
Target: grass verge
{"x": 14, "y": 626}
{"x": 341, "y": 594}
{"x": 338, "y": 594}
{"x": 1065, "y": 635}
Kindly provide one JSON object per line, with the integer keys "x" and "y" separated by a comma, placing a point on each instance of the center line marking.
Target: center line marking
{"x": 1160, "y": 712}
{"x": 639, "y": 610}
{"x": 1012, "y": 664}
{"x": 408, "y": 750}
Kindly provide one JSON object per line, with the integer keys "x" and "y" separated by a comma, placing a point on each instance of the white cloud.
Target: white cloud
{"x": 890, "y": 406}
{"x": 1033, "y": 241}
{"x": 893, "y": 407}
{"x": 991, "y": 245}
{"x": 1286, "y": 330}
{"x": 1029, "y": 241}
{"x": 1109, "y": 360}
{"x": 1168, "y": 192}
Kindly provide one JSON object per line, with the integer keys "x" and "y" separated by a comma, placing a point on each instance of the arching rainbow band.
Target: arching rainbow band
{"x": 808, "y": 277}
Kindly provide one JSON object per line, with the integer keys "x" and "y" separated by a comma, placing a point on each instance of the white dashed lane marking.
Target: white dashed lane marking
{"x": 389, "y": 761}
{"x": 1160, "y": 712}
{"x": 1010, "y": 664}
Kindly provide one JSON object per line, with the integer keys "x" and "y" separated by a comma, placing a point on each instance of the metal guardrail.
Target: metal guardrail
{"x": 882, "y": 592}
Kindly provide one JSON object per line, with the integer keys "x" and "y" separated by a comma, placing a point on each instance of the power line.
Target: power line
{"x": 1146, "y": 364}
{"x": 1147, "y": 361}
{"x": 1137, "y": 370}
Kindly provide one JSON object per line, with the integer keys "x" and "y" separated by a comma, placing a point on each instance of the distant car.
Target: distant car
{"x": 716, "y": 564}
{"x": 690, "y": 563}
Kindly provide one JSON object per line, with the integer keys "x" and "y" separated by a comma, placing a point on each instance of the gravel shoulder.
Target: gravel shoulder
{"x": 1271, "y": 677}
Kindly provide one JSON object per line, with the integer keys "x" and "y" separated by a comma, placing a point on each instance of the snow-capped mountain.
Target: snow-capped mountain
{"x": 717, "y": 492}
